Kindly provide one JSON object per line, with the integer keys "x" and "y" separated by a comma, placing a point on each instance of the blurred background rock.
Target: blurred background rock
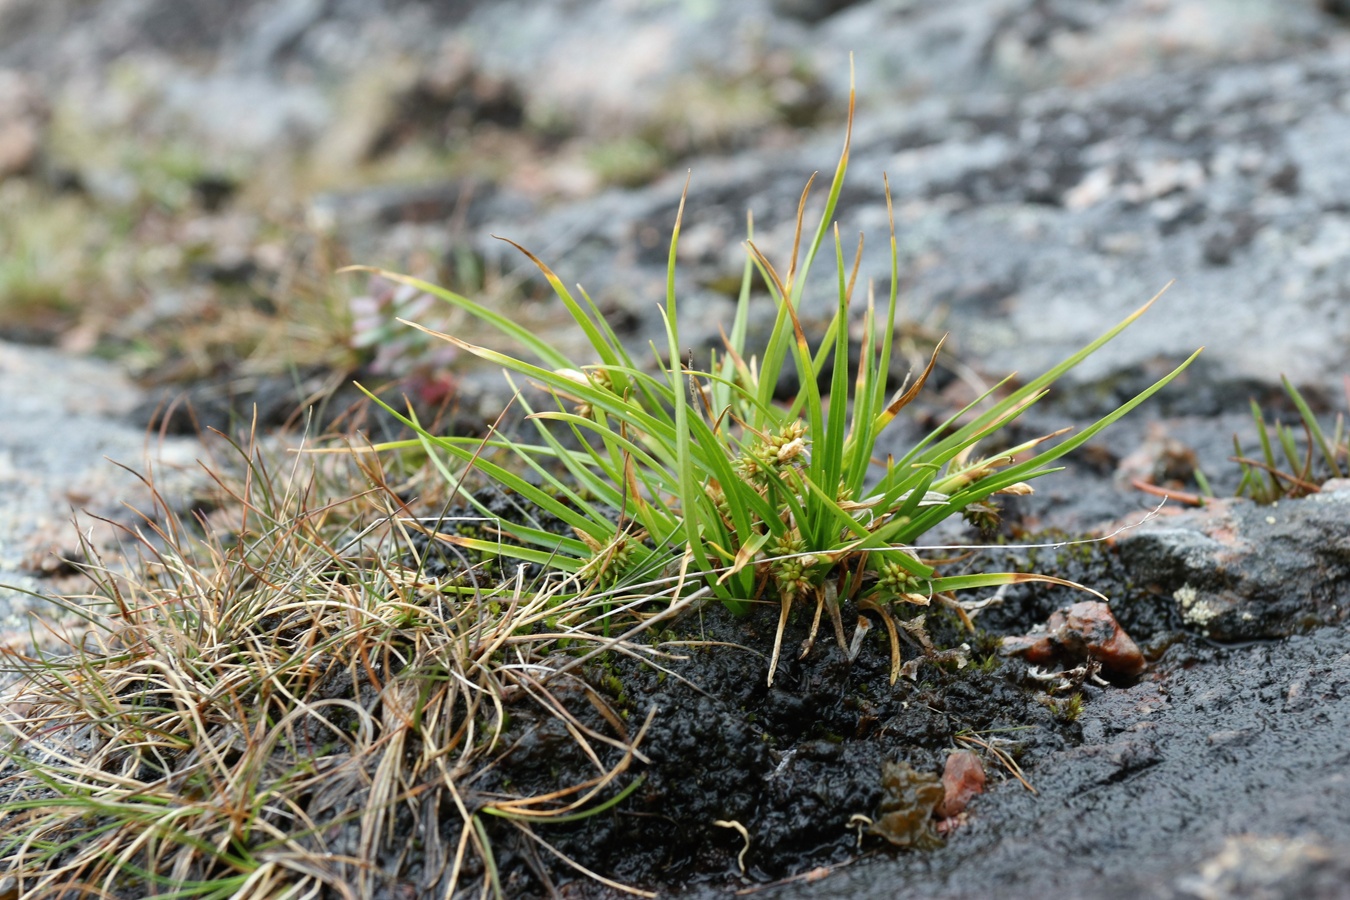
{"x": 179, "y": 179}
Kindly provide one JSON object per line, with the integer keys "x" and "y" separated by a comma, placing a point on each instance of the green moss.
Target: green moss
{"x": 1066, "y": 709}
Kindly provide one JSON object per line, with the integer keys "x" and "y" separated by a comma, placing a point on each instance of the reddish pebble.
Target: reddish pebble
{"x": 1092, "y": 626}
{"x": 1084, "y": 630}
{"x": 962, "y": 778}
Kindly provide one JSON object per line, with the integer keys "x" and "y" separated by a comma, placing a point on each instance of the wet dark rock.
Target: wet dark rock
{"x": 1148, "y": 806}
{"x": 214, "y": 191}
{"x": 444, "y": 105}
{"x": 810, "y": 10}
{"x": 1238, "y": 571}
{"x": 382, "y": 206}
{"x": 229, "y": 403}
{"x": 1103, "y": 764}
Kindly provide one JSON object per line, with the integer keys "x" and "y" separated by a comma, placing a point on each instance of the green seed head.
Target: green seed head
{"x": 794, "y": 575}
{"x": 773, "y": 452}
{"x": 896, "y": 579}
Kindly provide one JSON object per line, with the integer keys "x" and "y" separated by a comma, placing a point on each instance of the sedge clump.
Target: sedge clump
{"x": 691, "y": 471}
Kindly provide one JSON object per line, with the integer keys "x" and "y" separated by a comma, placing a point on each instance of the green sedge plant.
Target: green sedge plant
{"x": 676, "y": 467}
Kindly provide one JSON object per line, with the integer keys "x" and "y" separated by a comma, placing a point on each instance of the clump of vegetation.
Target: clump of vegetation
{"x": 627, "y": 162}
{"x": 1267, "y": 478}
{"x": 681, "y": 469}
{"x": 303, "y": 705}
{"x": 53, "y": 262}
{"x": 286, "y": 710}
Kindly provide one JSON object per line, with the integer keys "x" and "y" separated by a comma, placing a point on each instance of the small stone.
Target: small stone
{"x": 1085, "y": 630}
{"x": 1037, "y": 649}
{"x": 1092, "y": 624}
{"x": 962, "y": 778}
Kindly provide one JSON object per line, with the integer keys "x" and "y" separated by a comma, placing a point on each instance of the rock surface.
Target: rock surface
{"x": 1031, "y": 225}
{"x": 1238, "y": 571}
{"x": 1225, "y": 778}
{"x": 65, "y": 427}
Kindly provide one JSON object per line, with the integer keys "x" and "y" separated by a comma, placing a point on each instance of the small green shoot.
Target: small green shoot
{"x": 1269, "y": 478}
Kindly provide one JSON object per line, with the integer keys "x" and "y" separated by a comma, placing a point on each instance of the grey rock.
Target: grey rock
{"x": 1239, "y": 571}
{"x": 64, "y": 425}
{"x": 1272, "y": 867}
{"x": 279, "y": 26}
{"x": 1030, "y": 226}
{"x": 383, "y": 206}
{"x": 925, "y": 47}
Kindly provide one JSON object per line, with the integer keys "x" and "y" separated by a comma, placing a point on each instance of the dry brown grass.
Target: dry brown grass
{"x": 290, "y": 707}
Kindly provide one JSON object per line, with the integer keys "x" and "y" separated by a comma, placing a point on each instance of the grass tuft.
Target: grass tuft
{"x": 680, "y": 464}
{"x": 286, "y": 707}
{"x": 296, "y": 705}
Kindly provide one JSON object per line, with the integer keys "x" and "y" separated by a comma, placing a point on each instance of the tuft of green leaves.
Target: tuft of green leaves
{"x": 681, "y": 467}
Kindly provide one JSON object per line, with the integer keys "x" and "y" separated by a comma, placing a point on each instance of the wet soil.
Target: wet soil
{"x": 799, "y": 764}
{"x": 793, "y": 763}
{"x": 1221, "y": 771}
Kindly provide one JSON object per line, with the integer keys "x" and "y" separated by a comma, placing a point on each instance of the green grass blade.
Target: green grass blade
{"x": 1315, "y": 429}
{"x": 610, "y": 353}
{"x": 833, "y": 452}
{"x": 998, "y": 579}
{"x": 557, "y": 558}
{"x": 1034, "y": 466}
{"x": 504, "y": 324}
{"x": 594, "y": 525}
{"x": 1020, "y": 399}
{"x": 1266, "y": 450}
{"x": 689, "y": 487}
